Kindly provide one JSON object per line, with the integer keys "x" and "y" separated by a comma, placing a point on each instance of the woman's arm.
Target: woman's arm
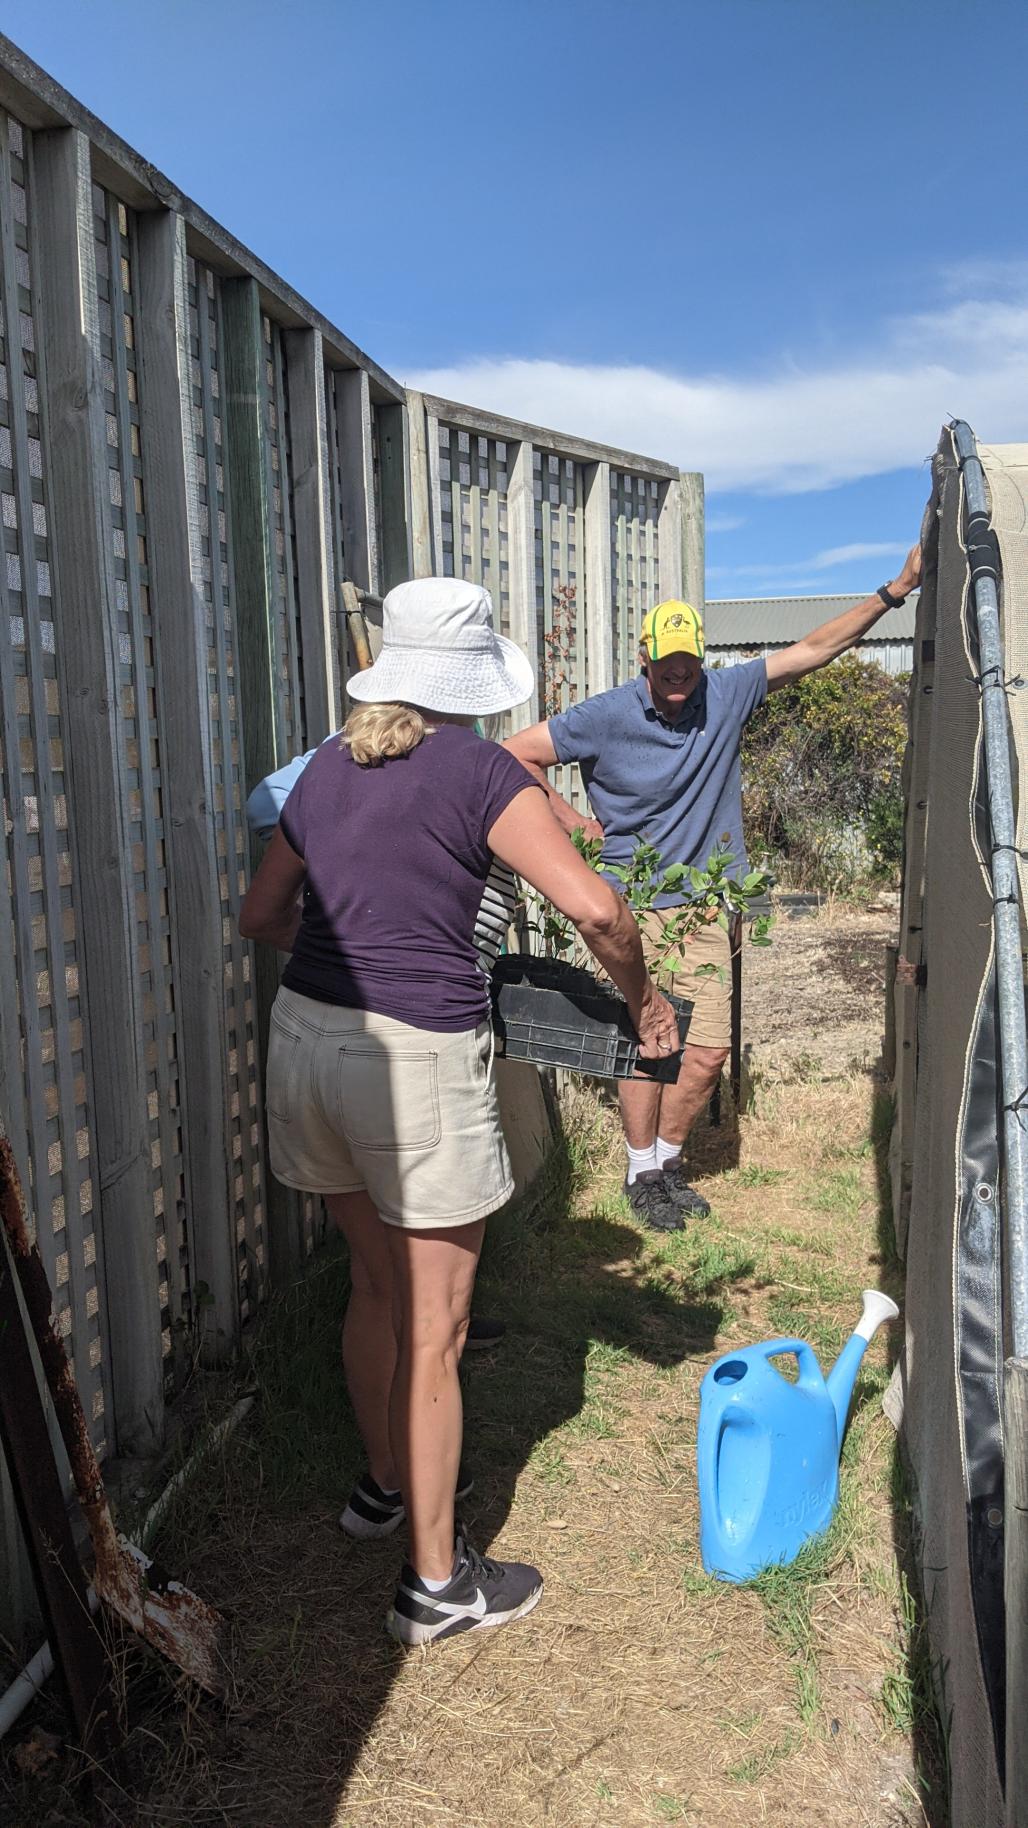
{"x": 526, "y": 836}
{"x": 270, "y": 909}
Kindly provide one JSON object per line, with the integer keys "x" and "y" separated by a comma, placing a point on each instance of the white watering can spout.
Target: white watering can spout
{"x": 877, "y": 1307}
{"x": 843, "y": 1374}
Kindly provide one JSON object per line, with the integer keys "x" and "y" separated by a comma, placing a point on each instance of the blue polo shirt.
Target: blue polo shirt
{"x": 679, "y": 786}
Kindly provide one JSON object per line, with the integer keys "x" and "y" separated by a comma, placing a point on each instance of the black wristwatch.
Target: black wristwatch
{"x": 887, "y": 597}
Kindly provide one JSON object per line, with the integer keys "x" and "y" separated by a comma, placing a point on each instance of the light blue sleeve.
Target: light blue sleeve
{"x": 747, "y": 686}
{"x": 270, "y": 795}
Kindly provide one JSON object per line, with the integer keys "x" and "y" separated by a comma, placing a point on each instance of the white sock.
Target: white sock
{"x": 641, "y": 1161}
{"x": 665, "y": 1150}
{"x": 434, "y": 1586}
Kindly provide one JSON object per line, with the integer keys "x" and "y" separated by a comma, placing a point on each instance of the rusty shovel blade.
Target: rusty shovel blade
{"x": 183, "y": 1627}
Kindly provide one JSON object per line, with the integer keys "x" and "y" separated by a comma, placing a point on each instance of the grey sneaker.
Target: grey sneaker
{"x": 482, "y": 1594}
{"x": 685, "y": 1197}
{"x": 649, "y": 1199}
{"x": 371, "y": 1513}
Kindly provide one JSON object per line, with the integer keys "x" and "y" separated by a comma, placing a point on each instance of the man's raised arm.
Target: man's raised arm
{"x": 534, "y": 749}
{"x": 833, "y": 638}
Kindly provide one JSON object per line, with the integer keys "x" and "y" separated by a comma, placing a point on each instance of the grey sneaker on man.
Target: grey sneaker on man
{"x": 685, "y": 1197}
{"x": 649, "y": 1199}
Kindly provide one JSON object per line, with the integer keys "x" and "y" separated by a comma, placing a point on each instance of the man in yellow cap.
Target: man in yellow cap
{"x": 659, "y": 757}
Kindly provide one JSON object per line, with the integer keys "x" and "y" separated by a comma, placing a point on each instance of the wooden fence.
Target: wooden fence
{"x": 192, "y": 460}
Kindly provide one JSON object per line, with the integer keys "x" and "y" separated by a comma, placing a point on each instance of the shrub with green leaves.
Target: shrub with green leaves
{"x": 822, "y": 795}
{"x": 706, "y": 896}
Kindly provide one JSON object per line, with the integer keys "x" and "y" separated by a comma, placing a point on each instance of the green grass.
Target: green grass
{"x": 751, "y": 1769}
{"x": 672, "y": 1808}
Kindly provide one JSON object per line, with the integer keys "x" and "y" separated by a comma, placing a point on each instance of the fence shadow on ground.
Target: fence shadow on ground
{"x": 258, "y": 1533}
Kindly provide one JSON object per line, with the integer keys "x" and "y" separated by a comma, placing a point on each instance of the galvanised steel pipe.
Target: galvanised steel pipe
{"x": 983, "y": 554}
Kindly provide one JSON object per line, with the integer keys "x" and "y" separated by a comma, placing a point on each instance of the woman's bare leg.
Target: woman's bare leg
{"x": 369, "y": 1336}
{"x": 434, "y": 1274}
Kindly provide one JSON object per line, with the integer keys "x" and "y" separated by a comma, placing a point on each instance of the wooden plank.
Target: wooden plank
{"x": 87, "y": 647}
{"x": 151, "y": 818}
{"x": 188, "y": 784}
{"x": 312, "y": 524}
{"x": 524, "y": 628}
{"x": 694, "y": 588}
{"x": 1015, "y": 1557}
{"x": 625, "y": 651}
{"x": 422, "y": 561}
{"x": 252, "y": 568}
{"x": 21, "y": 338}
{"x": 395, "y": 562}
{"x": 244, "y": 992}
{"x": 282, "y": 528}
{"x": 340, "y": 638}
{"x": 435, "y": 499}
{"x": 357, "y": 483}
{"x": 599, "y": 612}
{"x": 669, "y": 541}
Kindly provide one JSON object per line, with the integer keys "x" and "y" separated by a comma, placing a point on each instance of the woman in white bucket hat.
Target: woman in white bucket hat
{"x": 379, "y": 1085}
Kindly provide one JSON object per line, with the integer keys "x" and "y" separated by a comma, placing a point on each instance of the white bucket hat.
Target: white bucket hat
{"x": 440, "y": 651}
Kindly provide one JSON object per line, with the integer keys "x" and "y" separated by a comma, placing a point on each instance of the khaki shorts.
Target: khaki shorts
{"x": 711, "y": 1022}
{"x": 359, "y": 1101}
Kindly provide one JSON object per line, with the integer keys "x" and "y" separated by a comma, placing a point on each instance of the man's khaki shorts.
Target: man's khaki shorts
{"x": 711, "y": 1022}
{"x": 359, "y": 1101}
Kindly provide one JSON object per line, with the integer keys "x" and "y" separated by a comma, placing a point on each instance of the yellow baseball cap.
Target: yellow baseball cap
{"x": 672, "y": 628}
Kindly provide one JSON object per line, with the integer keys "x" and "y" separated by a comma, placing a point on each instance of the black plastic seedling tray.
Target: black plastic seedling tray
{"x": 555, "y": 1014}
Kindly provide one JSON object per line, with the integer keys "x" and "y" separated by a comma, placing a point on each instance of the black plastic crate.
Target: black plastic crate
{"x": 555, "y": 1014}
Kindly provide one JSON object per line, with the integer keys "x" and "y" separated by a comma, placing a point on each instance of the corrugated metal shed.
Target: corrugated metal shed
{"x": 739, "y": 622}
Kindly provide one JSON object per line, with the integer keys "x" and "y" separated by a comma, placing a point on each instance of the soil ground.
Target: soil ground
{"x": 640, "y": 1692}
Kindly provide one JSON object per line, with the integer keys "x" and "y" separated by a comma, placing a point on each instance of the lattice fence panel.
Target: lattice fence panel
{"x": 44, "y": 1060}
{"x": 142, "y": 754}
{"x": 560, "y": 592}
{"x": 229, "y": 821}
{"x": 290, "y": 727}
{"x": 473, "y": 500}
{"x": 293, "y": 738}
{"x": 635, "y": 561}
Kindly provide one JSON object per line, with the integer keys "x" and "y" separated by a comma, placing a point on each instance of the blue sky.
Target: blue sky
{"x": 779, "y": 241}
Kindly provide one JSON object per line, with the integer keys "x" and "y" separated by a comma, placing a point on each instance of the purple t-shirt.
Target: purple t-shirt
{"x": 397, "y": 859}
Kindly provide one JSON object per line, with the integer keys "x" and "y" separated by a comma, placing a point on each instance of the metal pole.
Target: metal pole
{"x": 983, "y": 557}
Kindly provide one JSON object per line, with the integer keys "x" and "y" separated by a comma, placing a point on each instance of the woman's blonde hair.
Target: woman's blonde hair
{"x": 376, "y": 733}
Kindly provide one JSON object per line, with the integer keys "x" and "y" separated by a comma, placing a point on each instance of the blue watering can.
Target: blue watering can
{"x": 768, "y": 1450}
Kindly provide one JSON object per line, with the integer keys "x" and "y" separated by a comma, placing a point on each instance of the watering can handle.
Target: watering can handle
{"x": 811, "y": 1374}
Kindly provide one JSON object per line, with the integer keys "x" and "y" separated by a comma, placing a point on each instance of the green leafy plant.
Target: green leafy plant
{"x": 706, "y": 897}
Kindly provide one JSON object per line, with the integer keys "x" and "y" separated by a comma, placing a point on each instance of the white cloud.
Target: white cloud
{"x": 861, "y": 549}
{"x": 798, "y": 575}
{"x": 724, "y": 523}
{"x": 800, "y": 427}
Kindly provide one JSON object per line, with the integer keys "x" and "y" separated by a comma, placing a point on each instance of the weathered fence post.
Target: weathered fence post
{"x": 694, "y": 588}
{"x": 669, "y": 529}
{"x": 312, "y": 518}
{"x": 599, "y": 606}
{"x": 422, "y": 550}
{"x": 86, "y": 611}
{"x": 189, "y": 788}
{"x": 524, "y": 627}
{"x": 356, "y": 476}
{"x": 1015, "y": 1432}
{"x": 257, "y": 683}
{"x": 394, "y": 481}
